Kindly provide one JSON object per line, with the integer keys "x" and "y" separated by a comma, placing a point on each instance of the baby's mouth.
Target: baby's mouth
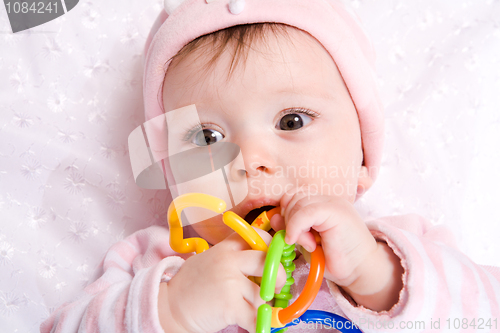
{"x": 254, "y": 213}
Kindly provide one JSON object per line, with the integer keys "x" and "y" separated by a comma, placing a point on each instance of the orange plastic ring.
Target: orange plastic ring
{"x": 310, "y": 290}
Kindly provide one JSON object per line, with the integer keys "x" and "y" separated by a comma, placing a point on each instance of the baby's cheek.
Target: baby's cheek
{"x": 339, "y": 187}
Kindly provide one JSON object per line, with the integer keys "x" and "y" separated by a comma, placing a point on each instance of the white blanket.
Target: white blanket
{"x": 70, "y": 94}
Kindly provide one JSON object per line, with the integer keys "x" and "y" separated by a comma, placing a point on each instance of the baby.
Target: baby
{"x": 290, "y": 83}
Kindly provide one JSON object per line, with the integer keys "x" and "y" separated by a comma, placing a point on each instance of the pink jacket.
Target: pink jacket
{"x": 443, "y": 289}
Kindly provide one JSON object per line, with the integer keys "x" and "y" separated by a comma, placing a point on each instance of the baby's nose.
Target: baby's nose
{"x": 258, "y": 152}
{"x": 254, "y": 170}
{"x": 258, "y": 162}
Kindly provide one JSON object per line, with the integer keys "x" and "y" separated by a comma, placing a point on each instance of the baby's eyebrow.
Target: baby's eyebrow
{"x": 316, "y": 93}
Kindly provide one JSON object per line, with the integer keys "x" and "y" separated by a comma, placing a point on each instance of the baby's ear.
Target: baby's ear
{"x": 365, "y": 181}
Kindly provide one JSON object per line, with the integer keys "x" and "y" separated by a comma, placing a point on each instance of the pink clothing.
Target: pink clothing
{"x": 440, "y": 285}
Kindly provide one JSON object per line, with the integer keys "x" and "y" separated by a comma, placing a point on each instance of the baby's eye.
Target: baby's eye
{"x": 294, "y": 120}
{"x": 207, "y": 137}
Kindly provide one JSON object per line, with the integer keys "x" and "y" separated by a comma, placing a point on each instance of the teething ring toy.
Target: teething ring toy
{"x": 280, "y": 316}
{"x": 177, "y": 241}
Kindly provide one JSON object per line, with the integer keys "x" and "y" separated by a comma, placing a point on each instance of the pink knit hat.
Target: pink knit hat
{"x": 326, "y": 20}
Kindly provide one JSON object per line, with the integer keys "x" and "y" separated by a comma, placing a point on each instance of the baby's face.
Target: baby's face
{"x": 289, "y": 111}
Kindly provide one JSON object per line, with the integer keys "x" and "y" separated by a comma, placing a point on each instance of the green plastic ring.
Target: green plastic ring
{"x": 271, "y": 266}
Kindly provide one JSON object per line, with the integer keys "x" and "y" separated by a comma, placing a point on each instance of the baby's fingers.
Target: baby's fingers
{"x": 307, "y": 241}
{"x": 245, "y": 315}
{"x": 277, "y": 222}
{"x": 251, "y": 263}
{"x": 304, "y": 216}
{"x": 251, "y": 293}
{"x": 292, "y": 195}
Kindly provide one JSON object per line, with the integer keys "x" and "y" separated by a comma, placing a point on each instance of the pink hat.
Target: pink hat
{"x": 326, "y": 20}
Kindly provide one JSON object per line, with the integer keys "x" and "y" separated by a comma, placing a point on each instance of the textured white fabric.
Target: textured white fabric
{"x": 70, "y": 93}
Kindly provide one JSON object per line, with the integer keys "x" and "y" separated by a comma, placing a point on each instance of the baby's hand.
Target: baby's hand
{"x": 211, "y": 290}
{"x": 369, "y": 271}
